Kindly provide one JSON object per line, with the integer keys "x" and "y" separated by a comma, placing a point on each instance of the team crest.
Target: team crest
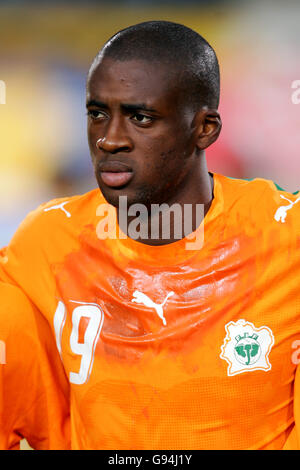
{"x": 246, "y": 348}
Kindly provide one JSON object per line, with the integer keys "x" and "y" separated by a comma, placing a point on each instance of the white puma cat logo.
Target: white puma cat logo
{"x": 141, "y": 298}
{"x": 59, "y": 206}
{"x": 280, "y": 214}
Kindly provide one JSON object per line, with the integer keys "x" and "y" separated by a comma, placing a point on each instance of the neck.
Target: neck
{"x": 176, "y": 218}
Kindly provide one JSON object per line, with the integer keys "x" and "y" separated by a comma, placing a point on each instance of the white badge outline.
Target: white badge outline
{"x": 232, "y": 369}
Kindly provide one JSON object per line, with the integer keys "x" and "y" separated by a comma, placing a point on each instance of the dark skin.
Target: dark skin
{"x": 139, "y": 118}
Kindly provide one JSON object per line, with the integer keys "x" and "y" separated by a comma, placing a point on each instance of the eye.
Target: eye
{"x": 96, "y": 114}
{"x": 141, "y": 118}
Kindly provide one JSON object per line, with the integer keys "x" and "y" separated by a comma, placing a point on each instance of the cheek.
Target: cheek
{"x": 94, "y": 131}
{"x": 163, "y": 161}
{"x": 161, "y": 150}
{"x": 172, "y": 160}
{"x": 90, "y": 138}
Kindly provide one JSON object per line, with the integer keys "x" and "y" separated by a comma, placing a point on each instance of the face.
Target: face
{"x": 140, "y": 134}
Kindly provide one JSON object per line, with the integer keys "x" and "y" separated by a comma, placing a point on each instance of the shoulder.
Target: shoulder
{"x": 17, "y": 319}
{"x": 252, "y": 187}
{"x": 58, "y": 211}
{"x": 45, "y": 237}
{"x": 57, "y": 216}
{"x": 259, "y": 199}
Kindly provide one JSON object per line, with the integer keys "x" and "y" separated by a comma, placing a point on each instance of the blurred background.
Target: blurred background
{"x": 47, "y": 47}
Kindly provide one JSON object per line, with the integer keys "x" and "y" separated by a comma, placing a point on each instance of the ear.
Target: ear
{"x": 207, "y": 125}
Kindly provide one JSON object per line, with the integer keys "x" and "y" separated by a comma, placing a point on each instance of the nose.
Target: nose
{"x": 115, "y": 138}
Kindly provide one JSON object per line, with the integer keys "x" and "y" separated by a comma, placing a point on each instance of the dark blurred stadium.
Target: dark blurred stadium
{"x": 46, "y": 49}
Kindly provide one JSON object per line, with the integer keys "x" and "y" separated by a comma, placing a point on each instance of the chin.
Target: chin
{"x": 112, "y": 196}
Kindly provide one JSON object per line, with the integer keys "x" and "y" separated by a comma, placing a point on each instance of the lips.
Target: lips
{"x": 115, "y": 174}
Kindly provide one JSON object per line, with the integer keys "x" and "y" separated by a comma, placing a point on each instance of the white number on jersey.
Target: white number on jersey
{"x": 86, "y": 349}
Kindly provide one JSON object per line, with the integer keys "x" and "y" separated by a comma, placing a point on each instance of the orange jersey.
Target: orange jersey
{"x": 166, "y": 347}
{"x": 34, "y": 393}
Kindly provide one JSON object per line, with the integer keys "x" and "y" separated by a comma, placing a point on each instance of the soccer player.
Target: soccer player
{"x": 173, "y": 335}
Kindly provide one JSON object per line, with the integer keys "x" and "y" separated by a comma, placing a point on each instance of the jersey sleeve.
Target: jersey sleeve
{"x": 293, "y": 440}
{"x": 34, "y": 392}
{"x": 25, "y": 257}
{"x": 41, "y": 241}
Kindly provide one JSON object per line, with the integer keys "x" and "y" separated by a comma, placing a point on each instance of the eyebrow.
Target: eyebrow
{"x": 125, "y": 106}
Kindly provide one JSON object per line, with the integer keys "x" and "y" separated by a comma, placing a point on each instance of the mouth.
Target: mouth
{"x": 115, "y": 174}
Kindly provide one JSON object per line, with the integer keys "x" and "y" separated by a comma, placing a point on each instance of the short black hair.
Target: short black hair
{"x": 175, "y": 45}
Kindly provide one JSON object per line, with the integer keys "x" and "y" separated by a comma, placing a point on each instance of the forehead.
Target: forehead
{"x": 132, "y": 81}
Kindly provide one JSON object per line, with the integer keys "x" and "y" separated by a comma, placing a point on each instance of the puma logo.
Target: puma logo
{"x": 280, "y": 214}
{"x": 140, "y": 298}
{"x": 59, "y": 206}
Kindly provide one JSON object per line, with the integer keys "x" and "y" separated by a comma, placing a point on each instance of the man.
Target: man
{"x": 166, "y": 343}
